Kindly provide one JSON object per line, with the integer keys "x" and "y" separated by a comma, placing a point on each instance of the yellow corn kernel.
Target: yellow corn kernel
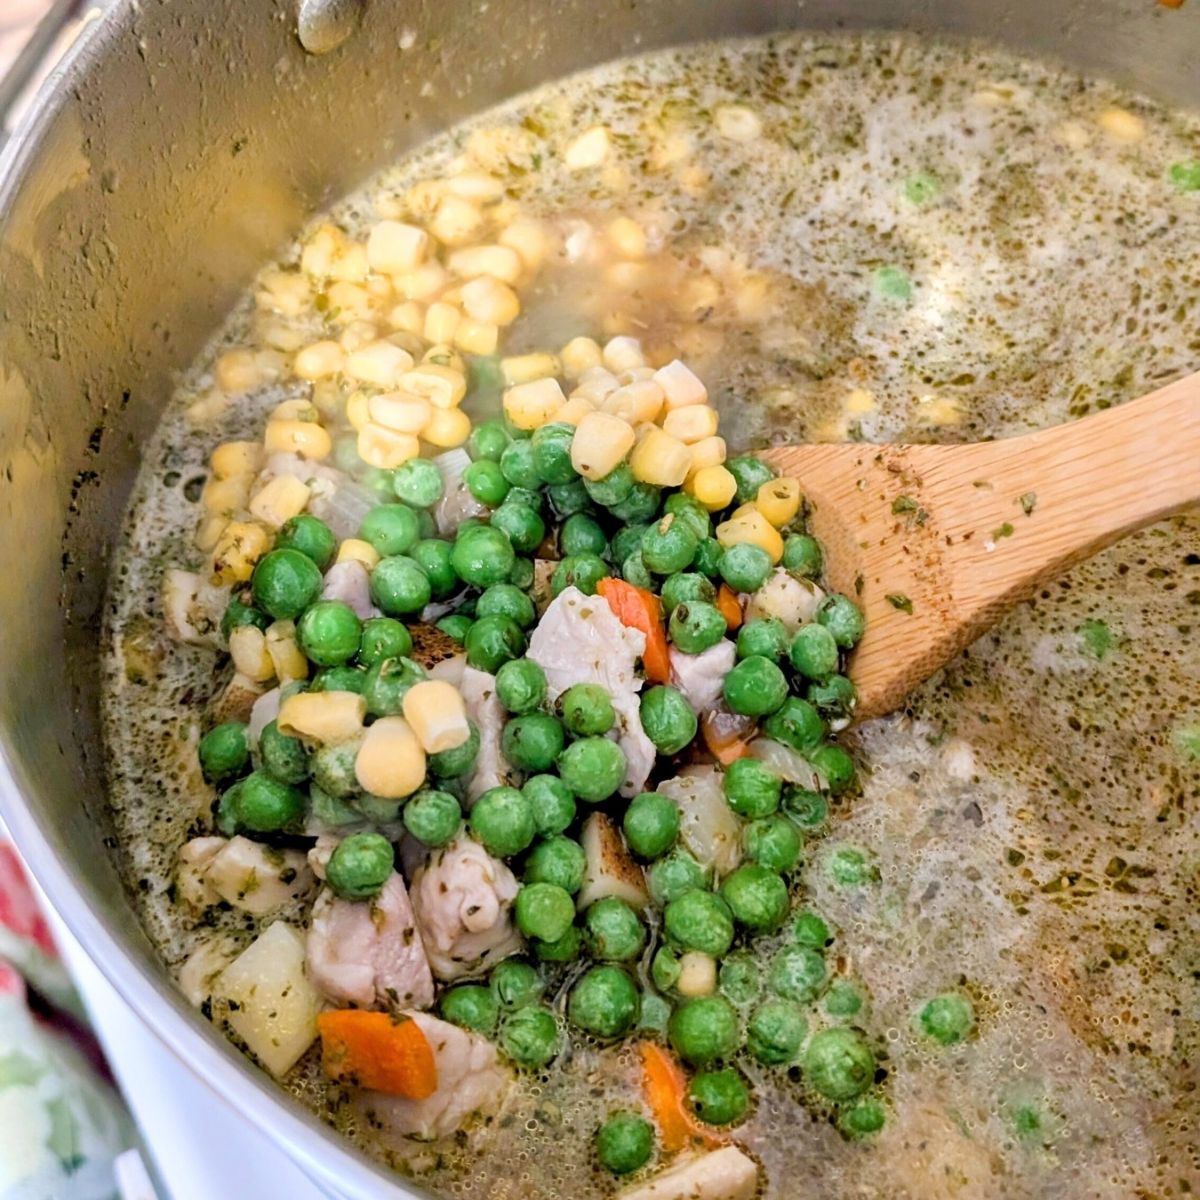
{"x": 224, "y": 496}
{"x": 680, "y": 385}
{"x": 627, "y": 237}
{"x": 600, "y": 444}
{"x": 379, "y": 363}
{"x": 477, "y": 337}
{"x": 351, "y": 264}
{"x": 441, "y": 322}
{"x": 737, "y": 123}
{"x": 400, "y": 412}
{"x": 379, "y": 288}
{"x": 306, "y": 438}
{"x": 1121, "y": 124}
{"x": 691, "y": 424}
{"x": 207, "y": 407}
{"x": 579, "y": 355}
{"x": 859, "y": 402}
{"x": 323, "y": 245}
{"x": 422, "y": 199}
{"x": 528, "y": 238}
{"x": 697, "y": 974}
{"x": 443, "y": 387}
{"x": 393, "y": 247}
{"x": 596, "y": 383}
{"x": 208, "y": 532}
{"x": 347, "y": 302}
{"x": 438, "y": 717}
{"x": 390, "y": 762}
{"x": 488, "y": 299}
{"x": 623, "y": 354}
{"x": 319, "y": 360}
{"x": 524, "y": 368}
{"x": 636, "y": 402}
{"x": 456, "y": 221}
{"x": 574, "y": 410}
{"x": 285, "y": 653}
{"x": 298, "y": 409}
{"x": 713, "y": 486}
{"x": 282, "y": 498}
{"x": 447, "y": 428}
{"x": 248, "y": 650}
{"x": 661, "y": 460}
{"x": 279, "y": 334}
{"x": 710, "y": 452}
{"x": 474, "y": 185}
{"x": 500, "y": 262}
{"x": 778, "y": 500}
{"x": 751, "y": 527}
{"x": 358, "y": 410}
{"x": 384, "y": 448}
{"x": 531, "y": 405}
{"x": 241, "y": 545}
{"x": 237, "y": 459}
{"x": 587, "y": 150}
{"x": 328, "y": 399}
{"x": 421, "y": 283}
{"x": 284, "y": 292}
{"x": 325, "y": 717}
{"x": 237, "y": 371}
{"x": 408, "y": 317}
{"x": 356, "y": 550}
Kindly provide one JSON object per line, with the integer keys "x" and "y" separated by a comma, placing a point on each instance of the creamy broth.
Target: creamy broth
{"x": 895, "y": 241}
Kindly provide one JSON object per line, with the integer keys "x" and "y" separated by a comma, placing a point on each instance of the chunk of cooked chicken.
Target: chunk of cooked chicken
{"x": 204, "y": 964}
{"x": 610, "y": 870}
{"x": 257, "y": 879}
{"x": 700, "y": 677}
{"x": 235, "y": 701}
{"x": 193, "y": 608}
{"x": 580, "y": 640}
{"x": 350, "y": 583}
{"x": 492, "y": 769}
{"x": 793, "y": 601}
{"x": 369, "y": 952}
{"x": 463, "y": 900}
{"x": 195, "y": 857}
{"x": 724, "y": 1174}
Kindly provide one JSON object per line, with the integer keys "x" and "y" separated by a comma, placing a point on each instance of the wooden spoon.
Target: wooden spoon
{"x": 938, "y": 542}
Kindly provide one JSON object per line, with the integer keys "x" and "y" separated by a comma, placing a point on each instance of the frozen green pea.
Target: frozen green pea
{"x": 432, "y": 816}
{"x": 766, "y": 637}
{"x": 696, "y": 626}
{"x": 399, "y": 587}
{"x": 391, "y": 528}
{"x": 383, "y": 637}
{"x": 544, "y": 911}
{"x": 843, "y": 618}
{"x": 521, "y": 685}
{"x": 593, "y": 768}
{"x": 814, "y": 652}
{"x": 651, "y": 824}
{"x": 471, "y": 1007}
{"x": 612, "y": 931}
{"x": 838, "y": 1063}
{"x": 719, "y": 1097}
{"x": 530, "y": 1036}
{"x": 745, "y": 567}
{"x": 283, "y": 757}
{"x": 802, "y": 555}
{"x": 492, "y": 641}
{"x": 757, "y": 897}
{"x": 698, "y": 920}
{"x": 669, "y": 545}
{"x": 435, "y": 558}
{"x": 453, "y": 764}
{"x": 751, "y": 473}
{"x": 502, "y": 821}
{"x": 418, "y": 482}
{"x": 506, "y": 600}
{"x": 776, "y": 1031}
{"x": 947, "y": 1018}
{"x": 224, "y": 751}
{"x": 587, "y": 709}
{"x": 551, "y": 802}
{"x": 604, "y": 1002}
{"x": 684, "y": 587}
{"x": 515, "y": 984}
{"x": 796, "y": 973}
{"x": 582, "y": 534}
{"x": 359, "y": 866}
{"x": 774, "y": 842}
{"x": 795, "y": 724}
{"x": 751, "y": 788}
{"x": 739, "y": 979}
{"x": 755, "y": 687}
{"x": 582, "y": 571}
{"x": 533, "y": 742}
{"x": 704, "y": 1029}
{"x": 329, "y": 633}
{"x": 668, "y": 719}
{"x": 674, "y": 874}
{"x": 558, "y": 860}
{"x": 624, "y": 1143}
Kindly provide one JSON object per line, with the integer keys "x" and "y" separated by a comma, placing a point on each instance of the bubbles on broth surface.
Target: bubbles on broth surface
{"x": 928, "y": 243}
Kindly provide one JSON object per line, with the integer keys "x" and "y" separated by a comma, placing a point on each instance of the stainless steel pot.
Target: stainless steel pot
{"x": 178, "y": 148}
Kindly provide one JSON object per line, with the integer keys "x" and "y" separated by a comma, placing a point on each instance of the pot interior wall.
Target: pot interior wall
{"x": 182, "y": 146}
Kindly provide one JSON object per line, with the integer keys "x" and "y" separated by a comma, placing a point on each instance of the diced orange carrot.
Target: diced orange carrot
{"x": 727, "y": 735}
{"x": 729, "y": 606}
{"x": 640, "y": 609}
{"x": 375, "y": 1050}
{"x": 666, "y": 1090}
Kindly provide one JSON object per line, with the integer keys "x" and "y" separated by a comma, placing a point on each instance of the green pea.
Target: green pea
{"x": 521, "y": 685}
{"x": 810, "y": 929}
{"x": 651, "y": 824}
{"x": 593, "y": 768}
{"x": 802, "y": 555}
{"x": 533, "y": 742}
{"x": 752, "y": 789}
{"x": 766, "y": 637}
{"x": 604, "y": 1002}
{"x": 806, "y": 808}
{"x": 834, "y": 698}
{"x": 238, "y": 613}
{"x": 947, "y": 1018}
{"x": 582, "y": 534}
{"x": 544, "y": 910}
{"x": 624, "y": 1143}
{"x": 376, "y": 481}
{"x": 709, "y": 556}
{"x": 719, "y": 1097}
{"x": 739, "y": 979}
{"x": 843, "y": 999}
{"x": 656, "y": 1012}
{"x": 387, "y": 683}
{"x": 813, "y": 651}
{"x": 329, "y": 633}
{"x": 796, "y": 973}
{"x": 453, "y": 764}
{"x": 796, "y": 724}
{"x": 862, "y": 1118}
{"x": 834, "y": 765}
{"x": 673, "y": 875}
{"x": 488, "y": 440}
{"x": 224, "y": 751}
{"x": 703, "y": 1029}
{"x": 517, "y": 463}
{"x": 626, "y": 541}
{"x": 432, "y": 816}
{"x": 283, "y": 758}
{"x": 612, "y": 931}
{"x": 226, "y": 816}
{"x": 551, "y": 444}
{"x": 345, "y": 454}
{"x": 567, "y": 499}
{"x": 285, "y": 583}
{"x": 681, "y": 505}
{"x": 530, "y": 1036}
{"x": 435, "y": 558}
{"x": 699, "y": 920}
{"x": 492, "y": 641}
{"x": 502, "y": 821}
{"x": 774, "y": 842}
{"x": 775, "y": 1032}
{"x": 485, "y": 481}
{"x": 267, "y": 805}
{"x": 635, "y": 571}
{"x": 668, "y": 719}
{"x": 843, "y": 618}
{"x": 339, "y": 679}
{"x": 639, "y": 506}
{"x": 613, "y": 488}
{"x": 551, "y": 802}
{"x": 669, "y": 545}
{"x": 558, "y": 860}
{"x": 329, "y": 810}
{"x": 751, "y": 473}
{"x": 838, "y": 1063}
{"x": 310, "y": 536}
{"x": 359, "y": 866}
{"x": 582, "y": 571}
{"x": 587, "y": 710}
{"x": 687, "y": 587}
{"x": 523, "y": 573}
{"x": 470, "y": 1007}
{"x": 1185, "y": 175}
{"x": 745, "y": 567}
{"x": 483, "y": 557}
{"x": 757, "y": 897}
{"x": 456, "y": 626}
{"x": 333, "y": 769}
{"x": 505, "y": 600}
{"x": 390, "y": 528}
{"x": 565, "y": 950}
{"x": 515, "y": 984}
{"x": 418, "y": 483}
{"x": 696, "y": 626}
{"x": 665, "y": 969}
{"x": 399, "y": 586}
{"x": 383, "y": 637}
{"x": 522, "y": 525}
{"x": 755, "y": 687}
{"x": 379, "y": 810}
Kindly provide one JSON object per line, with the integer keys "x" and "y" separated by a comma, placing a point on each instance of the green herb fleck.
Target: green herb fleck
{"x": 1005, "y": 530}
{"x": 922, "y": 187}
{"x": 1185, "y": 176}
{"x": 1097, "y": 637}
{"x": 1187, "y": 741}
{"x": 900, "y": 601}
{"x": 891, "y": 283}
{"x": 904, "y": 504}
{"x": 1028, "y": 502}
